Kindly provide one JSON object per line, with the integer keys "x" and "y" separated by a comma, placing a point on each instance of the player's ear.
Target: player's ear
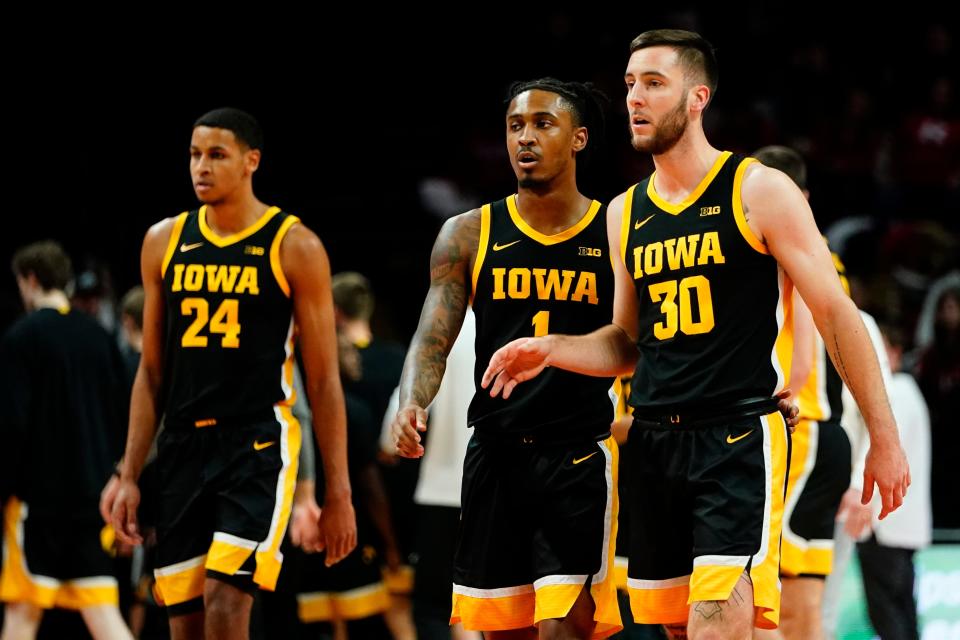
{"x": 252, "y": 160}
{"x": 698, "y": 97}
{"x": 580, "y": 137}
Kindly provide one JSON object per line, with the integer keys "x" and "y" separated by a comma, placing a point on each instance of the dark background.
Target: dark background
{"x": 357, "y": 110}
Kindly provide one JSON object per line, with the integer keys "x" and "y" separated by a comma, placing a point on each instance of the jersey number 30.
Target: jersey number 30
{"x": 679, "y": 312}
{"x": 225, "y": 321}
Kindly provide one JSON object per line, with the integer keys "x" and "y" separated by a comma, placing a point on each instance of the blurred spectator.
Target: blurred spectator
{"x": 886, "y": 557}
{"x": 938, "y": 373}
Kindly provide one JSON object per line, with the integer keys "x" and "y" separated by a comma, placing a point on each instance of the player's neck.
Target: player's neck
{"x": 235, "y": 213}
{"x": 53, "y": 299}
{"x": 553, "y": 209}
{"x": 681, "y": 169}
{"x": 358, "y": 332}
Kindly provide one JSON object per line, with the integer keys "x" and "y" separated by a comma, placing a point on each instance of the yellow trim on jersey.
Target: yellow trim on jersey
{"x": 620, "y": 573}
{"x": 783, "y": 345}
{"x": 181, "y": 582}
{"x": 287, "y": 370}
{"x": 15, "y": 579}
{"x": 676, "y": 209}
{"x": 554, "y": 601}
{"x": 713, "y": 582}
{"x": 666, "y": 605}
{"x": 354, "y": 604}
{"x": 268, "y": 553}
{"x": 625, "y": 223}
{"x": 399, "y": 582}
{"x": 766, "y": 573}
{"x": 797, "y": 554}
{"x": 738, "y": 214}
{"x": 527, "y": 605}
{"x": 275, "y": 254}
{"x": 556, "y": 238}
{"x": 172, "y": 242}
{"x": 812, "y": 400}
{"x": 74, "y": 596}
{"x": 494, "y": 614}
{"x": 226, "y": 558}
{"x": 17, "y": 584}
{"x": 606, "y": 607}
{"x": 315, "y": 607}
{"x": 223, "y": 241}
{"x": 481, "y": 248}
{"x": 716, "y": 580}
{"x": 814, "y": 561}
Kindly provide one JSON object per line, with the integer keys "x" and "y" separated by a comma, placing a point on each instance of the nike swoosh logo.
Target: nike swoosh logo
{"x": 258, "y": 446}
{"x": 731, "y": 439}
{"x": 498, "y": 247}
{"x": 640, "y": 223}
{"x": 189, "y": 247}
{"x": 579, "y": 460}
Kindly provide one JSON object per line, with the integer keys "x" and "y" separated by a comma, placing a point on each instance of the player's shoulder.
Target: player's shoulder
{"x": 300, "y": 238}
{"x": 761, "y": 181}
{"x": 462, "y": 229}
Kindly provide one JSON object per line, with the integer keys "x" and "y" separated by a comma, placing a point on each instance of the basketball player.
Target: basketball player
{"x": 707, "y": 248}
{"x": 228, "y": 286}
{"x": 539, "y": 501}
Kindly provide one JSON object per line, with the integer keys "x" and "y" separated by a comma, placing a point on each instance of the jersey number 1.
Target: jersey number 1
{"x": 541, "y": 323}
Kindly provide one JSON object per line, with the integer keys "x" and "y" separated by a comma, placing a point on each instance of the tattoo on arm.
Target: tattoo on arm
{"x": 838, "y": 360}
{"x": 445, "y": 306}
{"x": 443, "y": 310}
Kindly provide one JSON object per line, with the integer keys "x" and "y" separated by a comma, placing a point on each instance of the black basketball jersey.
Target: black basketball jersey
{"x": 525, "y": 284}
{"x": 229, "y": 321}
{"x": 65, "y": 408}
{"x": 715, "y": 312}
{"x": 821, "y": 398}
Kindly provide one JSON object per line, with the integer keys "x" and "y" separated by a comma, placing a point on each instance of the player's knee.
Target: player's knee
{"x": 578, "y": 623}
{"x": 720, "y": 631}
{"x": 222, "y": 602}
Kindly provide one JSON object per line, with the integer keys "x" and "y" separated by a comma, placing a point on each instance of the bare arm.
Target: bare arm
{"x": 451, "y": 265}
{"x": 779, "y": 215}
{"x": 608, "y": 351}
{"x": 144, "y": 410}
{"x": 307, "y": 269}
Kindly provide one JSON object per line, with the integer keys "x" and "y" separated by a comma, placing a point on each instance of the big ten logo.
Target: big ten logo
{"x": 252, "y": 250}
{"x": 590, "y": 251}
{"x": 709, "y": 211}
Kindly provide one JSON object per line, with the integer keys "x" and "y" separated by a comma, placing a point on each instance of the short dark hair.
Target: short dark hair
{"x": 586, "y": 103}
{"x": 243, "y": 125}
{"x": 785, "y": 159}
{"x": 132, "y": 305}
{"x": 47, "y": 261}
{"x": 353, "y": 295}
{"x": 696, "y": 55}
